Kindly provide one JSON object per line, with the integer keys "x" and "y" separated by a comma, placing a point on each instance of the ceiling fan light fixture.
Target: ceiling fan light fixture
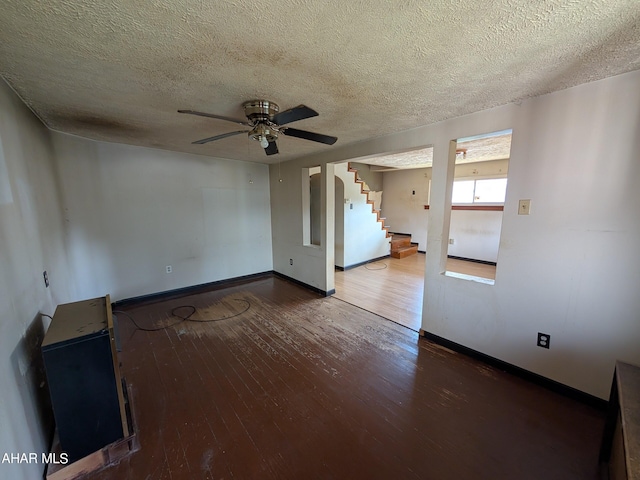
{"x": 264, "y": 134}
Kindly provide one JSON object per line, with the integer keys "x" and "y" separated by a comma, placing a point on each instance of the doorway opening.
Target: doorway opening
{"x": 376, "y": 197}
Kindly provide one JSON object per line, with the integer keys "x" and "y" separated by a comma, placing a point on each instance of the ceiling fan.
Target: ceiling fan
{"x": 266, "y": 122}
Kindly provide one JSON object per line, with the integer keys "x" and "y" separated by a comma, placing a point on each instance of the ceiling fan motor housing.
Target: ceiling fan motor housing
{"x": 260, "y": 110}
{"x": 260, "y": 113}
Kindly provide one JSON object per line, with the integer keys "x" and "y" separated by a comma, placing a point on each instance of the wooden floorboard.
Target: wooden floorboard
{"x": 302, "y": 386}
{"x": 393, "y": 288}
{"x": 467, "y": 267}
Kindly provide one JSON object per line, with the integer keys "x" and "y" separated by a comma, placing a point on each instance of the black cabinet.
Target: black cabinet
{"x": 83, "y": 374}
{"x": 620, "y": 450}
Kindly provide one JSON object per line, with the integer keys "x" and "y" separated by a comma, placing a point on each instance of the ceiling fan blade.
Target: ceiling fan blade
{"x": 272, "y": 149}
{"x": 314, "y": 137}
{"x": 218, "y": 137}
{"x": 211, "y": 115}
{"x": 294, "y": 114}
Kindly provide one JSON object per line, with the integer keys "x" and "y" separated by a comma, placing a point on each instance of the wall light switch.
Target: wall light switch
{"x": 524, "y": 207}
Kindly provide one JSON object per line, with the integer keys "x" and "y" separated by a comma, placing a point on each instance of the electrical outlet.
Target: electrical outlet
{"x": 291, "y": 261}
{"x": 169, "y": 269}
{"x": 452, "y": 241}
{"x": 544, "y": 340}
{"x": 46, "y": 279}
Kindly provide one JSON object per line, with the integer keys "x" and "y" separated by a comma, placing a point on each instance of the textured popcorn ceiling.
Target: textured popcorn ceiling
{"x": 483, "y": 149}
{"x": 420, "y": 158}
{"x": 118, "y": 71}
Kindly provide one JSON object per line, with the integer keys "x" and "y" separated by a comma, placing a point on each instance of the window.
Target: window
{"x": 490, "y": 190}
{"x": 463, "y": 191}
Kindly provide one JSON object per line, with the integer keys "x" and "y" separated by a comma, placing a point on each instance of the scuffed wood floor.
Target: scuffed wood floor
{"x": 301, "y": 387}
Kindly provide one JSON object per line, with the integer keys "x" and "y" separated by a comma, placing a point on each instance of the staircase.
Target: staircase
{"x": 401, "y": 245}
{"x": 364, "y": 191}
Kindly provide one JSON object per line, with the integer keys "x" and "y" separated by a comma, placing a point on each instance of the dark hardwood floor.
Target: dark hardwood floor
{"x": 300, "y": 386}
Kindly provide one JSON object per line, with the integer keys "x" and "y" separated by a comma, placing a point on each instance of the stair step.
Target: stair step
{"x": 404, "y": 251}
{"x": 400, "y": 241}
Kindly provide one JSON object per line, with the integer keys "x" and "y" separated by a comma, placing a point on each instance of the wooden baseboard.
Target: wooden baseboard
{"x": 484, "y": 262}
{"x": 545, "y": 382}
{"x": 181, "y": 292}
{"x": 204, "y": 287}
{"x": 306, "y": 285}
{"x": 355, "y": 265}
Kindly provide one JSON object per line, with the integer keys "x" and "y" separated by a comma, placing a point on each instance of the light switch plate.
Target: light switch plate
{"x": 524, "y": 207}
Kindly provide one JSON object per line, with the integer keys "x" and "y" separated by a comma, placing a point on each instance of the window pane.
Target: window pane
{"x": 491, "y": 191}
{"x": 462, "y": 191}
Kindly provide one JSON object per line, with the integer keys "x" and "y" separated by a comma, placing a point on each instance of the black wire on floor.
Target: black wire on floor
{"x": 366, "y": 265}
{"x": 185, "y": 318}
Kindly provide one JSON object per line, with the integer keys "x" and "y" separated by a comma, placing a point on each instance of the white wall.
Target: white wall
{"x": 364, "y": 238}
{"x": 104, "y": 218}
{"x": 476, "y": 234}
{"x": 311, "y": 264}
{"x": 31, "y": 241}
{"x": 291, "y": 257}
{"x": 131, "y": 211}
{"x": 371, "y": 178}
{"x": 404, "y": 210}
{"x": 571, "y": 268}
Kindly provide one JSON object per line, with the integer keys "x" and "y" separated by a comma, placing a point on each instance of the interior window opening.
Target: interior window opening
{"x": 477, "y": 202}
{"x": 311, "y": 206}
